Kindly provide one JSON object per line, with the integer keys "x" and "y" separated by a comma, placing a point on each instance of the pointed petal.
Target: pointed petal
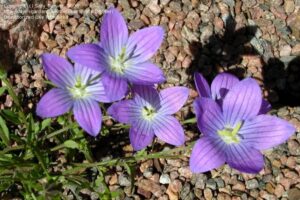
{"x": 146, "y": 95}
{"x": 89, "y": 55}
{"x": 264, "y": 131}
{"x": 211, "y": 120}
{"x": 145, "y": 73}
{"x": 140, "y": 134}
{"x": 207, "y": 154}
{"x": 114, "y": 32}
{"x": 169, "y": 130}
{"x": 88, "y": 115}
{"x": 54, "y": 103}
{"x": 143, "y": 44}
{"x": 222, "y": 84}
{"x": 242, "y": 102}
{"x": 244, "y": 158}
{"x": 115, "y": 86}
{"x": 202, "y": 85}
{"x": 265, "y": 107}
{"x": 124, "y": 111}
{"x": 172, "y": 99}
{"x": 58, "y": 70}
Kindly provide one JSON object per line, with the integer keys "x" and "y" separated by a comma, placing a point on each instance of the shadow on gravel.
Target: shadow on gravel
{"x": 7, "y": 54}
{"x": 281, "y": 77}
{"x": 222, "y": 51}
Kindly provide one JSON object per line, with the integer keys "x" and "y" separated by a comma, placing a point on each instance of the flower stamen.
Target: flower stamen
{"x": 230, "y": 135}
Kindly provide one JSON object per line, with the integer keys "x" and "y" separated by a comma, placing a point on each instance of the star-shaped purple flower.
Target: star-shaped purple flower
{"x": 78, "y": 88}
{"x": 234, "y": 132}
{"x": 121, "y": 58}
{"x": 149, "y": 113}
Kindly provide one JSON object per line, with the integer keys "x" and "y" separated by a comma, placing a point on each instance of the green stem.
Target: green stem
{"x": 6, "y": 150}
{"x": 55, "y": 133}
{"x": 132, "y": 159}
{"x": 190, "y": 121}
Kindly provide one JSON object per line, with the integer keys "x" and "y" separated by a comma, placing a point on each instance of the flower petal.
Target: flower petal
{"x": 264, "y": 131}
{"x": 172, "y": 99}
{"x": 202, "y": 85}
{"x": 143, "y": 44}
{"x": 88, "y": 115}
{"x": 114, "y": 32}
{"x": 211, "y": 120}
{"x": 145, "y": 95}
{"x": 222, "y": 84}
{"x": 89, "y": 55}
{"x": 265, "y": 107}
{"x": 115, "y": 86}
{"x": 169, "y": 130}
{"x": 207, "y": 154}
{"x": 140, "y": 134}
{"x": 145, "y": 73}
{"x": 54, "y": 103}
{"x": 244, "y": 158}
{"x": 124, "y": 111}
{"x": 242, "y": 102}
{"x": 58, "y": 70}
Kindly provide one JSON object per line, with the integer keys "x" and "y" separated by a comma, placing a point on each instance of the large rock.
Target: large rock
{"x": 20, "y": 27}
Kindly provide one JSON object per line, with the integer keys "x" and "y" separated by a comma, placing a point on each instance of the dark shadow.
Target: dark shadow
{"x": 7, "y": 54}
{"x": 222, "y": 51}
{"x": 282, "y": 80}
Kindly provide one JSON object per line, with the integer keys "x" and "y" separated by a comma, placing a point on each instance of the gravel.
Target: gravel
{"x": 194, "y": 41}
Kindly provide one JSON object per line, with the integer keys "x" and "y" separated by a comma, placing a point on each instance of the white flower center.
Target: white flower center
{"x": 78, "y": 91}
{"x": 119, "y": 64}
{"x": 148, "y": 112}
{"x": 230, "y": 135}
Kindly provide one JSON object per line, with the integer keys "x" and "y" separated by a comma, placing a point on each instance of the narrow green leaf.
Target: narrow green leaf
{"x": 71, "y": 144}
{"x": 2, "y": 90}
{"x": 10, "y": 116}
{"x": 4, "y": 133}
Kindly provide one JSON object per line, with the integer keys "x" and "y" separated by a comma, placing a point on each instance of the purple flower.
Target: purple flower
{"x": 120, "y": 57}
{"x": 149, "y": 113}
{"x": 235, "y": 132}
{"x": 78, "y": 88}
{"x": 221, "y": 84}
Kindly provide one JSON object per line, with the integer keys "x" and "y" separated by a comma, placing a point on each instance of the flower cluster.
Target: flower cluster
{"x": 231, "y": 114}
{"x": 103, "y": 73}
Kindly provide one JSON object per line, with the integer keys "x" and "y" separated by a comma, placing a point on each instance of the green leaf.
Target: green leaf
{"x": 11, "y": 116}
{"x": 2, "y": 90}
{"x": 71, "y": 144}
{"x": 4, "y": 133}
{"x": 3, "y": 73}
{"x": 45, "y": 124}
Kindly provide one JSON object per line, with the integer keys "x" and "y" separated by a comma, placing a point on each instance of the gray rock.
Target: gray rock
{"x": 257, "y": 45}
{"x": 220, "y": 182}
{"x": 252, "y": 184}
{"x": 124, "y": 180}
{"x": 52, "y": 12}
{"x": 185, "y": 190}
{"x": 175, "y": 6}
{"x": 211, "y": 184}
{"x": 164, "y": 179}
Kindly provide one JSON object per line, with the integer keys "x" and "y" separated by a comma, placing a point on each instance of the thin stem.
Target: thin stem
{"x": 55, "y": 133}
{"x": 190, "y": 121}
{"x": 132, "y": 159}
{"x": 6, "y": 150}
